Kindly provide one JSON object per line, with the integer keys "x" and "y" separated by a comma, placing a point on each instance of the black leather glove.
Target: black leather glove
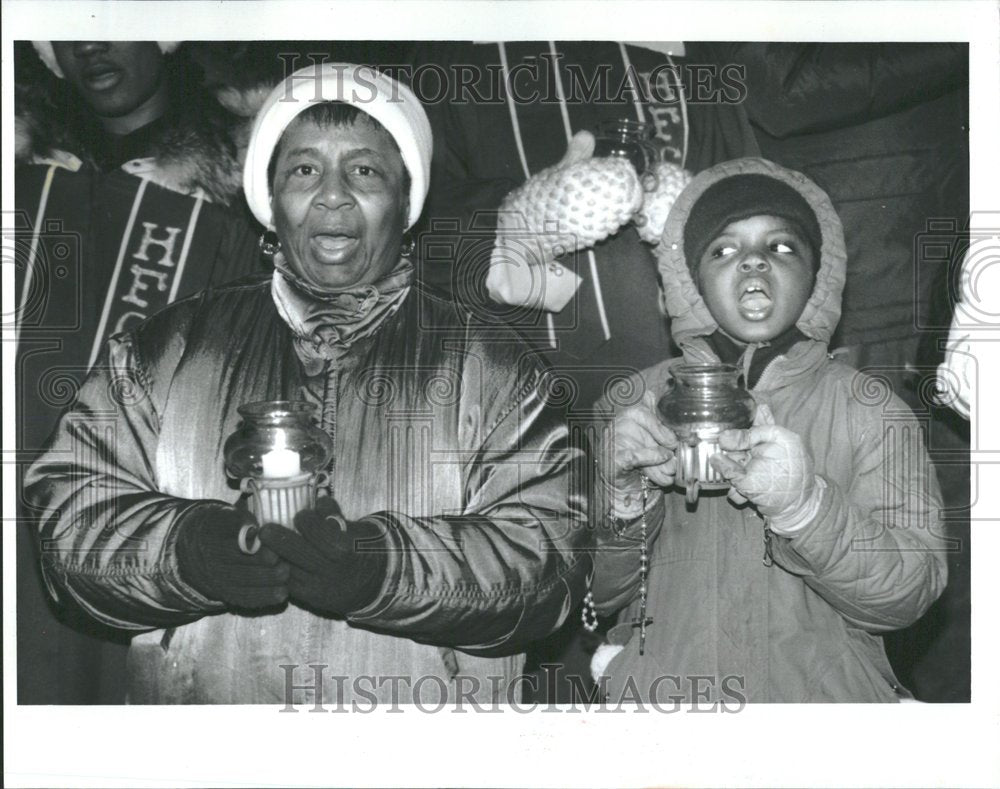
{"x": 210, "y": 560}
{"x": 338, "y": 566}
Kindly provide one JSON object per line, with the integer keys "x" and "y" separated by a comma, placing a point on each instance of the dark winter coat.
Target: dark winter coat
{"x": 446, "y": 425}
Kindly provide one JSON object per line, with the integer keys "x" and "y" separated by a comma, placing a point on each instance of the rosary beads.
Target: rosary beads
{"x": 643, "y": 567}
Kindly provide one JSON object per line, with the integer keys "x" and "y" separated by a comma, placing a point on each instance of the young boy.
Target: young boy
{"x": 830, "y": 534}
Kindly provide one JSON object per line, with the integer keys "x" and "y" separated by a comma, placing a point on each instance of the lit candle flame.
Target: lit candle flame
{"x": 281, "y": 462}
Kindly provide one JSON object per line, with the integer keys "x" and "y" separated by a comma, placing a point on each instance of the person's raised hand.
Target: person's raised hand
{"x": 567, "y": 207}
{"x": 580, "y": 148}
{"x": 662, "y": 184}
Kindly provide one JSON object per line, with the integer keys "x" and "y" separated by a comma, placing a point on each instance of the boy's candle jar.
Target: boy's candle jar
{"x": 278, "y": 454}
{"x": 701, "y": 401}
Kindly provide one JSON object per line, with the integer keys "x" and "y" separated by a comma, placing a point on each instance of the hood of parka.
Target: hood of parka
{"x": 199, "y": 144}
{"x": 680, "y": 297}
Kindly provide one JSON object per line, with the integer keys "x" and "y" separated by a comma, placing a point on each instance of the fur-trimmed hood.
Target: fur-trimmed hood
{"x": 680, "y": 297}
{"x": 191, "y": 153}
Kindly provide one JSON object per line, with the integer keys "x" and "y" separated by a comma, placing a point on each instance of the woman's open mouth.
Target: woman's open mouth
{"x": 332, "y": 247}
{"x": 755, "y": 303}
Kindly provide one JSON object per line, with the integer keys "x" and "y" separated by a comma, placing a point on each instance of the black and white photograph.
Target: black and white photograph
{"x": 609, "y": 411}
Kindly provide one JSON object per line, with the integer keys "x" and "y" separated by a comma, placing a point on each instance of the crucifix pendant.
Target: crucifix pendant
{"x": 641, "y": 622}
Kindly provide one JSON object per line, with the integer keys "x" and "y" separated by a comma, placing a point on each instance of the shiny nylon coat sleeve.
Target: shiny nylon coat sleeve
{"x": 107, "y": 534}
{"x": 617, "y": 561}
{"x": 875, "y": 550}
{"x": 516, "y": 561}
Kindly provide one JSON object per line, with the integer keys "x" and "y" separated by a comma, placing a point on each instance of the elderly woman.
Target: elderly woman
{"x": 455, "y": 530}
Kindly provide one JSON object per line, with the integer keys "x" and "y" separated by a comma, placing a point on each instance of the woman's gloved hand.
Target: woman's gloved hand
{"x": 210, "y": 560}
{"x": 640, "y": 444}
{"x": 337, "y": 566}
{"x": 564, "y": 208}
{"x": 776, "y": 474}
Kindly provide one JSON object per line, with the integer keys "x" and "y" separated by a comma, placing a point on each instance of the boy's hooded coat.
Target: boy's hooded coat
{"x": 806, "y": 627}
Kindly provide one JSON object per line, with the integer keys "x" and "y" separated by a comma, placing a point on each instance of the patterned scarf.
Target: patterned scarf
{"x": 325, "y": 323}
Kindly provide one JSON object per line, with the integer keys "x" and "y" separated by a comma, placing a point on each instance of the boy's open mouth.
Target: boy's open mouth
{"x": 755, "y": 299}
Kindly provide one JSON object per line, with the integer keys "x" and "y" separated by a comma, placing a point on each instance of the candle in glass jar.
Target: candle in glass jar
{"x": 280, "y": 463}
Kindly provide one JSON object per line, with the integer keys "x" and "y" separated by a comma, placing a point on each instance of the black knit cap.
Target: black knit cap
{"x": 741, "y": 197}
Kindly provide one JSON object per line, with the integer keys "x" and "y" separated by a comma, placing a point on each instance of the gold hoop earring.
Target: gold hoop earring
{"x": 406, "y": 249}
{"x": 269, "y": 244}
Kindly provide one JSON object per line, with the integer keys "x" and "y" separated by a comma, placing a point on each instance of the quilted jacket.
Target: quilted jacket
{"x": 449, "y": 427}
{"x": 805, "y": 624}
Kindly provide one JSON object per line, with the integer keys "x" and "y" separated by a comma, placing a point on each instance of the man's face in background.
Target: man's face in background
{"x": 114, "y": 78}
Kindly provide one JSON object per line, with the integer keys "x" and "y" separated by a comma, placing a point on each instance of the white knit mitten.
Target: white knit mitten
{"x": 661, "y": 186}
{"x": 567, "y": 207}
{"x": 572, "y": 206}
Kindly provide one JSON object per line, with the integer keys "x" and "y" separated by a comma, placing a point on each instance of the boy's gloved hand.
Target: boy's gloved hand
{"x": 337, "y": 566}
{"x": 210, "y": 560}
{"x": 777, "y": 477}
{"x": 642, "y": 444}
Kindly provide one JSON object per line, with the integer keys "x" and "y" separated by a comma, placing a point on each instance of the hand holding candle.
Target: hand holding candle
{"x": 278, "y": 454}
{"x": 338, "y": 566}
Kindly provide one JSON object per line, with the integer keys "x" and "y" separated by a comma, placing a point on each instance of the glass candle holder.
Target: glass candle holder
{"x": 278, "y": 453}
{"x": 630, "y": 140}
{"x": 701, "y": 401}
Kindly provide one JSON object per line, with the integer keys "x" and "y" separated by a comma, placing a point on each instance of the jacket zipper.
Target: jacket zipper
{"x": 328, "y": 422}
{"x": 768, "y": 558}
{"x": 328, "y": 416}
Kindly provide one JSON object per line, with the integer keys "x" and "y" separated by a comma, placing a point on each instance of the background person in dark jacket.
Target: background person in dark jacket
{"x": 127, "y": 189}
{"x": 530, "y": 98}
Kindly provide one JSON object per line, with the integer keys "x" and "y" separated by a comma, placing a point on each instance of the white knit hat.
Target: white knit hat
{"x": 389, "y": 102}
{"x": 48, "y": 54}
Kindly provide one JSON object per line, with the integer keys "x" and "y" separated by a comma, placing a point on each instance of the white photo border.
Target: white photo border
{"x": 763, "y": 745}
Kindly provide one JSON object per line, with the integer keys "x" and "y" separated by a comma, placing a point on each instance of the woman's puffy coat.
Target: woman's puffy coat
{"x": 806, "y": 627}
{"x": 448, "y": 427}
